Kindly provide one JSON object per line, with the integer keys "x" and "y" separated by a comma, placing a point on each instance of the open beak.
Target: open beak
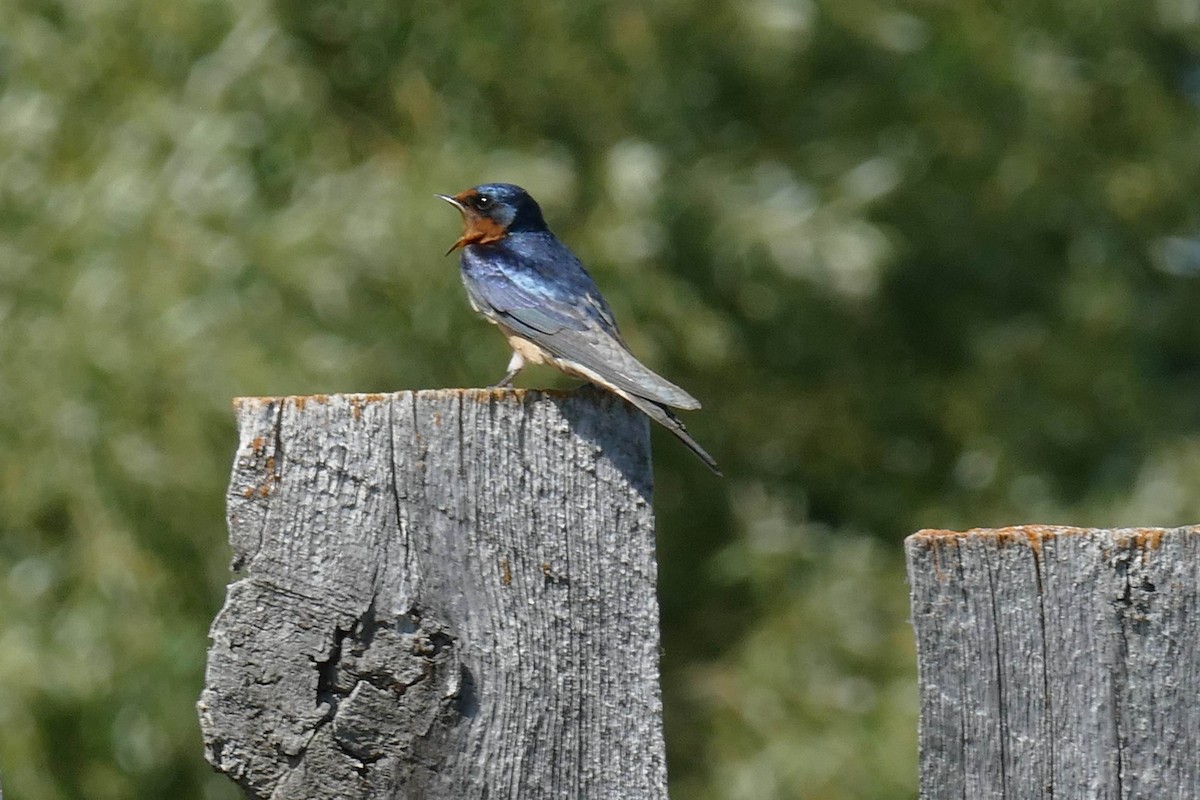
{"x": 465, "y": 238}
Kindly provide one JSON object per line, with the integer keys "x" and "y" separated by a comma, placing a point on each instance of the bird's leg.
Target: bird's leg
{"x": 515, "y": 365}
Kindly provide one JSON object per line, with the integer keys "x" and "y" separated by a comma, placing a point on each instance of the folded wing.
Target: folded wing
{"x": 576, "y": 325}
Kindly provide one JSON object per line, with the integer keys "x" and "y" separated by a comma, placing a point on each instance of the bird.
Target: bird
{"x": 522, "y": 278}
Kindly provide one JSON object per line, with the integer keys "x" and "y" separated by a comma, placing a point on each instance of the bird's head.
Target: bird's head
{"x": 491, "y": 211}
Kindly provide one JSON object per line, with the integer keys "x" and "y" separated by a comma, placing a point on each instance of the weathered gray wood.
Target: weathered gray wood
{"x": 1058, "y": 663}
{"x": 445, "y": 594}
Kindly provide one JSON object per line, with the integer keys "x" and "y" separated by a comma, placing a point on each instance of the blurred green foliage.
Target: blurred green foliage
{"x": 926, "y": 263}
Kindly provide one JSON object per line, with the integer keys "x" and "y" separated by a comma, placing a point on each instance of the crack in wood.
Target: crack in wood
{"x": 369, "y": 650}
{"x": 1057, "y": 662}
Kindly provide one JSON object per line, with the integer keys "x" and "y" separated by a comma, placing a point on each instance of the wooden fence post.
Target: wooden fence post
{"x": 1058, "y": 663}
{"x": 443, "y": 594}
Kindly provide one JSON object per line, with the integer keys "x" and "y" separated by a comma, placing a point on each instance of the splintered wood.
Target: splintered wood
{"x": 442, "y": 594}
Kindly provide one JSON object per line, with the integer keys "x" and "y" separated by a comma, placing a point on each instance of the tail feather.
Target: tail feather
{"x": 663, "y": 416}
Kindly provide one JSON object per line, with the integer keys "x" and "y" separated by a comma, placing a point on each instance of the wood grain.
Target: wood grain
{"x": 1058, "y": 662}
{"x": 442, "y": 594}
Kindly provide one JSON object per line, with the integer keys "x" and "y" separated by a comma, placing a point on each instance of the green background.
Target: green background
{"x": 927, "y": 264}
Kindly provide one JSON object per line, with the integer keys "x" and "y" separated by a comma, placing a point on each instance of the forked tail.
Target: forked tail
{"x": 663, "y": 416}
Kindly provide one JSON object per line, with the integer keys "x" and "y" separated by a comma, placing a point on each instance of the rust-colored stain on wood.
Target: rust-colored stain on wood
{"x": 1035, "y": 536}
{"x": 934, "y": 541}
{"x": 1147, "y": 538}
{"x": 272, "y": 477}
{"x": 257, "y": 459}
{"x": 301, "y": 401}
{"x": 360, "y": 401}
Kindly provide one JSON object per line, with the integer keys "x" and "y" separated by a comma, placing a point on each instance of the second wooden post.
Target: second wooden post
{"x": 1058, "y": 663}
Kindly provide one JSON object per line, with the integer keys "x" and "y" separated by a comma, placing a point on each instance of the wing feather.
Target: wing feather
{"x": 555, "y": 316}
{"x": 600, "y": 353}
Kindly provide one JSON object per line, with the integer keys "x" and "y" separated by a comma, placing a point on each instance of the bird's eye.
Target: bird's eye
{"x": 483, "y": 202}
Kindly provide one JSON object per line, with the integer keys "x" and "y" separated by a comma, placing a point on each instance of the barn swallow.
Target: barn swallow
{"x": 522, "y": 278}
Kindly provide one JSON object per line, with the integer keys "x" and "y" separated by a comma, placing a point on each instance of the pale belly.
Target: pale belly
{"x": 528, "y": 350}
{"x": 533, "y": 354}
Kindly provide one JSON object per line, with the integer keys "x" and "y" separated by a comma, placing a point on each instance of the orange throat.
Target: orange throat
{"x": 478, "y": 230}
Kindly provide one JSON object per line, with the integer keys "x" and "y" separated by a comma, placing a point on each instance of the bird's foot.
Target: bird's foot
{"x": 515, "y": 365}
